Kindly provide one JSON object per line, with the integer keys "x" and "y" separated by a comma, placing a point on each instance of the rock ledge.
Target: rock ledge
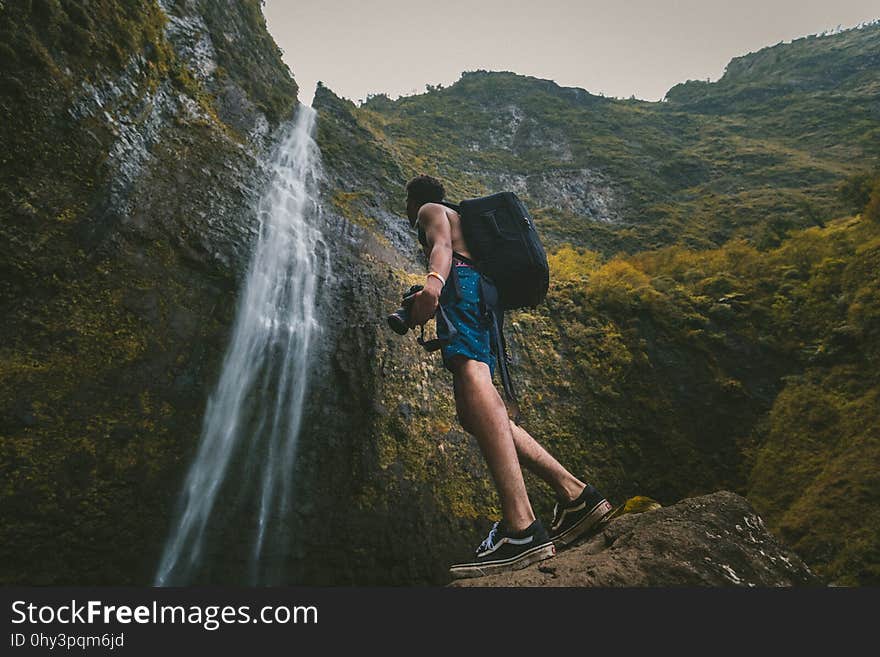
{"x": 713, "y": 540}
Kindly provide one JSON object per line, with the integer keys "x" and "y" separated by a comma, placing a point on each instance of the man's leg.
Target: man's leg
{"x": 482, "y": 412}
{"x": 580, "y": 506}
{"x": 541, "y": 462}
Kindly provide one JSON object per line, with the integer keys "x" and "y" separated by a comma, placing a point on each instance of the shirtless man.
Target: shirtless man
{"x": 518, "y": 539}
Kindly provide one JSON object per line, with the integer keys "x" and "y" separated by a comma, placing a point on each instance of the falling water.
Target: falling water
{"x": 253, "y": 417}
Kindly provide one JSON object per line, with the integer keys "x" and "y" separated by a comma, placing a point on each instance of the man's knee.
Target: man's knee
{"x": 468, "y": 375}
{"x": 467, "y": 370}
{"x": 459, "y": 386}
{"x": 462, "y": 379}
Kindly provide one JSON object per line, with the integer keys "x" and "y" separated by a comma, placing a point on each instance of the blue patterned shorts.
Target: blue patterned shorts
{"x": 469, "y": 317}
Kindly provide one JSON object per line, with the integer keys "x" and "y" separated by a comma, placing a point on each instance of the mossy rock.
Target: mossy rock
{"x": 635, "y": 504}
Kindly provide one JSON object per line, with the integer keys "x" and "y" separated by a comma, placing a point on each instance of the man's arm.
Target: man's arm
{"x": 438, "y": 236}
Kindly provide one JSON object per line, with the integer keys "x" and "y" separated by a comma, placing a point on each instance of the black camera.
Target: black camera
{"x": 399, "y": 319}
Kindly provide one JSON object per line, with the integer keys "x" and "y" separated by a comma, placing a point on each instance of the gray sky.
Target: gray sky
{"x": 636, "y": 47}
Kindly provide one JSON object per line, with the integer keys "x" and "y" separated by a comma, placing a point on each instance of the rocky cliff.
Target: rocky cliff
{"x": 752, "y": 156}
{"x": 133, "y": 135}
{"x": 712, "y": 540}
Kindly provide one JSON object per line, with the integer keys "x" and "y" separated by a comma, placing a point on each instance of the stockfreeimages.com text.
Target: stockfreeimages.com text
{"x": 210, "y": 617}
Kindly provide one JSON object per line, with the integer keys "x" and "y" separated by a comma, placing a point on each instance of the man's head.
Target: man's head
{"x": 420, "y": 190}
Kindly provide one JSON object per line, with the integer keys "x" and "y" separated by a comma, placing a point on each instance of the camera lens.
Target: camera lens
{"x": 398, "y": 321}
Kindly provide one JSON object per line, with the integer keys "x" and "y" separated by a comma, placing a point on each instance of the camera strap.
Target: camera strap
{"x": 436, "y": 343}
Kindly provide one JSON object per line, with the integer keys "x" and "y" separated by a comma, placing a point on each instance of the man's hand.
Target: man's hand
{"x": 424, "y": 303}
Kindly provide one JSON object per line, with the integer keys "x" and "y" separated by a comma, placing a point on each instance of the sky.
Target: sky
{"x": 635, "y": 48}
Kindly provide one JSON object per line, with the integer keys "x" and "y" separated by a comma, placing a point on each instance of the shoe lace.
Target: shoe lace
{"x": 489, "y": 541}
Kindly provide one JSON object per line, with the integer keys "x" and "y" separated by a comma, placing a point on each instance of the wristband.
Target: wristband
{"x": 438, "y": 276}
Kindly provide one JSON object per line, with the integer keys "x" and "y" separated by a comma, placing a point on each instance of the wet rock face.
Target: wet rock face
{"x": 135, "y": 142}
{"x": 713, "y": 540}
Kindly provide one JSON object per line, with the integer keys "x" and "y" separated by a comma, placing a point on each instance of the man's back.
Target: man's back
{"x": 456, "y": 234}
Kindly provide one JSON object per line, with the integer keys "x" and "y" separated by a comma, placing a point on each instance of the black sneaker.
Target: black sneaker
{"x": 576, "y": 518}
{"x": 503, "y": 550}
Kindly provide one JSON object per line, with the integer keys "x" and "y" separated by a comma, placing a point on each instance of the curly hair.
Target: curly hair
{"x": 425, "y": 189}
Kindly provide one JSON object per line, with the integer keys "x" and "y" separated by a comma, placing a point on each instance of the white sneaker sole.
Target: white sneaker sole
{"x": 537, "y": 553}
{"x": 585, "y": 524}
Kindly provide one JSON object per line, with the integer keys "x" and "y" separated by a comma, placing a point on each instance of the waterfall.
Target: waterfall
{"x": 252, "y": 420}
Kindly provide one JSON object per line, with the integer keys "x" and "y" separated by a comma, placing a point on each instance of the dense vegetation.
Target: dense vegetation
{"x": 764, "y": 360}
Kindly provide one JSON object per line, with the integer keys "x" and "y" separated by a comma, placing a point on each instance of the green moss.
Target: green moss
{"x": 246, "y": 52}
{"x": 636, "y": 504}
{"x": 104, "y": 373}
{"x": 351, "y": 205}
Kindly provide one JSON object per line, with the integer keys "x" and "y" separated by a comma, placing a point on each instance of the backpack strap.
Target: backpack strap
{"x": 456, "y": 254}
{"x": 451, "y": 206}
{"x": 495, "y": 316}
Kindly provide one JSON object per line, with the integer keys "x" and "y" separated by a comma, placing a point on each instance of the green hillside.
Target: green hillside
{"x": 755, "y": 154}
{"x": 737, "y": 367}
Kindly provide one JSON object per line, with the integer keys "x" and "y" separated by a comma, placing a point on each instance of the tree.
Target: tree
{"x": 872, "y": 208}
{"x": 856, "y": 190}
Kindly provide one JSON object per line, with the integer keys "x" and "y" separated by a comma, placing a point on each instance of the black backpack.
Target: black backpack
{"x": 502, "y": 238}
